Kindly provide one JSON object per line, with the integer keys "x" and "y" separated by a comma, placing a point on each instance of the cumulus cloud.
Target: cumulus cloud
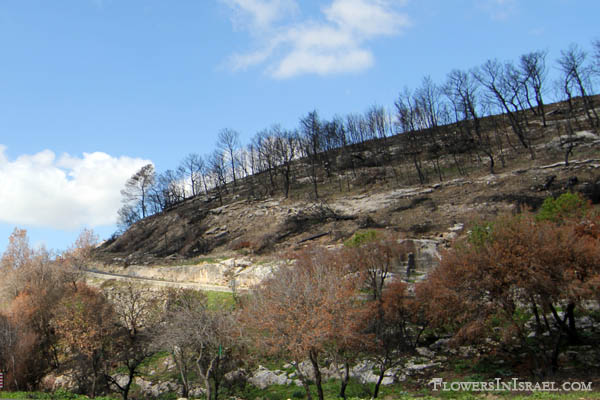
{"x": 335, "y": 43}
{"x": 65, "y": 192}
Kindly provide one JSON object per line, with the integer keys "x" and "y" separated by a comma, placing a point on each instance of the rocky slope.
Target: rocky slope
{"x": 244, "y": 235}
{"x": 197, "y": 227}
{"x": 246, "y": 240}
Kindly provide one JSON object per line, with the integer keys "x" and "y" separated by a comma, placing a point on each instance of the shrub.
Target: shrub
{"x": 481, "y": 234}
{"x": 567, "y": 205}
{"x": 361, "y": 238}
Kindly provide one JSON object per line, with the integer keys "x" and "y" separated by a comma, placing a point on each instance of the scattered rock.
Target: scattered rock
{"x": 584, "y": 322}
{"x": 54, "y": 382}
{"x": 365, "y": 221}
{"x": 363, "y": 371}
{"x": 468, "y": 351}
{"x": 412, "y": 368}
{"x": 263, "y": 378}
{"x": 169, "y": 364}
{"x": 151, "y": 389}
{"x": 425, "y": 352}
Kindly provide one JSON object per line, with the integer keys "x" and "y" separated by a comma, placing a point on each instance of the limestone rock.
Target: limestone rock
{"x": 363, "y": 371}
{"x": 412, "y": 368}
{"x": 425, "y": 352}
{"x": 440, "y": 345}
{"x": 263, "y": 378}
{"x": 151, "y": 389}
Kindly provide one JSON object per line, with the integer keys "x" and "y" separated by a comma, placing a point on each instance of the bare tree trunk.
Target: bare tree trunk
{"x": 378, "y": 384}
{"x": 184, "y": 378}
{"x": 418, "y": 168}
{"x": 205, "y": 376}
{"x": 317, "y": 371}
{"x": 345, "y": 380}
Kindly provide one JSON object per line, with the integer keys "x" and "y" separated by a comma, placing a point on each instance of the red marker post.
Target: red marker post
{"x": 1, "y": 380}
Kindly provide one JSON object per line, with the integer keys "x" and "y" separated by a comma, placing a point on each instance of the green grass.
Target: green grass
{"x": 360, "y": 238}
{"x": 331, "y": 388}
{"x": 354, "y": 391}
{"x": 219, "y": 300}
{"x": 153, "y": 362}
{"x": 509, "y": 396}
{"x": 58, "y": 395}
{"x": 297, "y": 392}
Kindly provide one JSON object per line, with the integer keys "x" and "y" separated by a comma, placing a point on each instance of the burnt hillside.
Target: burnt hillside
{"x": 418, "y": 182}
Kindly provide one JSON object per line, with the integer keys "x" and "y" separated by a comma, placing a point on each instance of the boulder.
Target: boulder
{"x": 411, "y": 368}
{"x": 263, "y": 378}
{"x": 152, "y": 389}
{"x": 363, "y": 371}
{"x": 54, "y": 382}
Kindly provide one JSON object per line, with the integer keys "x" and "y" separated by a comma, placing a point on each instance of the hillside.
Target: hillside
{"x": 376, "y": 195}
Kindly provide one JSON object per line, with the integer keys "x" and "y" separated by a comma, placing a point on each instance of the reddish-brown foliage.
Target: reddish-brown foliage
{"x": 306, "y": 308}
{"x": 86, "y": 325}
{"x": 396, "y": 322}
{"x": 34, "y": 283}
{"x": 521, "y": 269}
{"x": 377, "y": 259}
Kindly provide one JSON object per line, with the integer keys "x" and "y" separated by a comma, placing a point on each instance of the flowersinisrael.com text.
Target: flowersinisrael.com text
{"x": 514, "y": 385}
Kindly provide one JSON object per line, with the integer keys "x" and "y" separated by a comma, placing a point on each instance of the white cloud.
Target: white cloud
{"x": 366, "y": 17}
{"x": 498, "y": 10}
{"x": 260, "y": 14}
{"x": 63, "y": 193}
{"x": 335, "y": 44}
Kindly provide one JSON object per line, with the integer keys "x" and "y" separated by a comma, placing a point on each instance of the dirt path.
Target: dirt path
{"x": 155, "y": 282}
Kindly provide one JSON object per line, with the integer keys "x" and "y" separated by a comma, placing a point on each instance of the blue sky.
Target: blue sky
{"x": 90, "y": 90}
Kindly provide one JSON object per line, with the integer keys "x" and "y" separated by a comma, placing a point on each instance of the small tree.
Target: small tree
{"x": 135, "y": 196}
{"x": 576, "y": 77}
{"x": 376, "y": 256}
{"x": 218, "y": 173}
{"x": 596, "y": 46}
{"x": 137, "y": 313}
{"x": 228, "y": 143}
{"x": 396, "y": 322}
{"x": 200, "y": 339}
{"x": 192, "y": 168}
{"x": 15, "y": 260}
{"x": 504, "y": 86}
{"x": 74, "y": 260}
{"x": 533, "y": 69}
{"x": 85, "y": 322}
{"x": 518, "y": 269}
{"x": 311, "y": 130}
{"x": 305, "y": 309}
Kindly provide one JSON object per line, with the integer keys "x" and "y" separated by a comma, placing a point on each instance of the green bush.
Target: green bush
{"x": 481, "y": 234}
{"x": 567, "y": 205}
{"x": 298, "y": 394}
{"x": 361, "y": 238}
